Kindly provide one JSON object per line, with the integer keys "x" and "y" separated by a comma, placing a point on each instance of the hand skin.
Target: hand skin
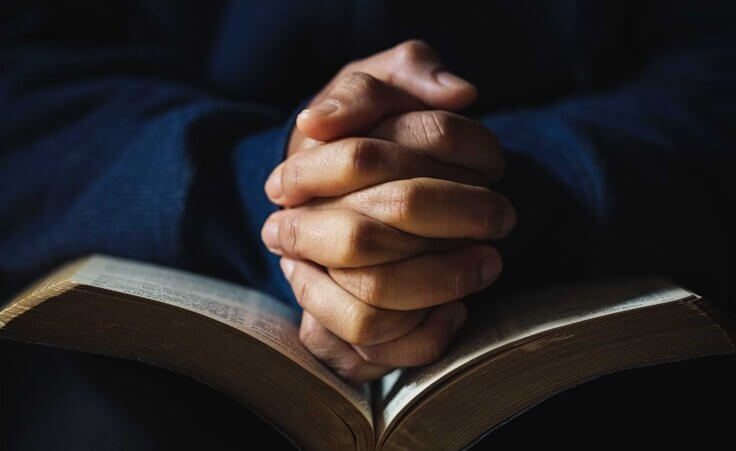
{"x": 388, "y": 207}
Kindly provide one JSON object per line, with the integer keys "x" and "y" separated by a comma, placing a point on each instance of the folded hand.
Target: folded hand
{"x": 389, "y": 214}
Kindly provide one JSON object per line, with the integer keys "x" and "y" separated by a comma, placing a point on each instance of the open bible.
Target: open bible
{"x": 513, "y": 353}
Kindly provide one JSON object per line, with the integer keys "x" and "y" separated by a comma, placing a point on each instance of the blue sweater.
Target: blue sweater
{"x": 146, "y": 129}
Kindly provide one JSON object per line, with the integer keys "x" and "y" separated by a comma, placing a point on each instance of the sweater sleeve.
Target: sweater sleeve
{"x": 106, "y": 150}
{"x": 636, "y": 180}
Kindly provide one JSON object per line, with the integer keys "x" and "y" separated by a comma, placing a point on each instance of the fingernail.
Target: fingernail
{"x": 287, "y": 266}
{"x": 323, "y": 108}
{"x": 270, "y": 236}
{"x": 458, "y": 319}
{"x": 273, "y": 183}
{"x": 450, "y": 80}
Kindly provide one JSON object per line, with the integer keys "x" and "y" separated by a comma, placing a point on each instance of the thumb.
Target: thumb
{"x": 412, "y": 77}
{"x": 355, "y": 104}
{"x": 413, "y": 66}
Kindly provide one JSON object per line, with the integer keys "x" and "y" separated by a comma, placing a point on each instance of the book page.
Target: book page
{"x": 250, "y": 311}
{"x": 498, "y": 322}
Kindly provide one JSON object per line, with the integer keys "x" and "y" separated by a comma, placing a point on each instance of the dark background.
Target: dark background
{"x": 686, "y": 402}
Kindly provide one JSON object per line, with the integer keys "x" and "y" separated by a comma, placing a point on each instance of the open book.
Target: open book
{"x": 515, "y": 353}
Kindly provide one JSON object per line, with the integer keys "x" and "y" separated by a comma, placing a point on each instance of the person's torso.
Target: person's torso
{"x": 278, "y": 52}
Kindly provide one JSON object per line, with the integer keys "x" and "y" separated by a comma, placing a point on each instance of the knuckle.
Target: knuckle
{"x": 365, "y": 157}
{"x": 349, "y": 68}
{"x": 369, "y": 286}
{"x": 412, "y": 50}
{"x": 360, "y": 241}
{"x": 304, "y": 293}
{"x": 291, "y": 176}
{"x": 366, "y": 284}
{"x": 289, "y": 234}
{"x": 437, "y": 126}
{"x": 359, "y": 85}
{"x": 365, "y": 324}
{"x": 403, "y": 200}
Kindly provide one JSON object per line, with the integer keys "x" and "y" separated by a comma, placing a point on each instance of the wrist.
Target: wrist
{"x": 557, "y": 188}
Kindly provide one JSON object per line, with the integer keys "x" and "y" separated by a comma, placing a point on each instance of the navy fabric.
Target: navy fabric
{"x": 146, "y": 129}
